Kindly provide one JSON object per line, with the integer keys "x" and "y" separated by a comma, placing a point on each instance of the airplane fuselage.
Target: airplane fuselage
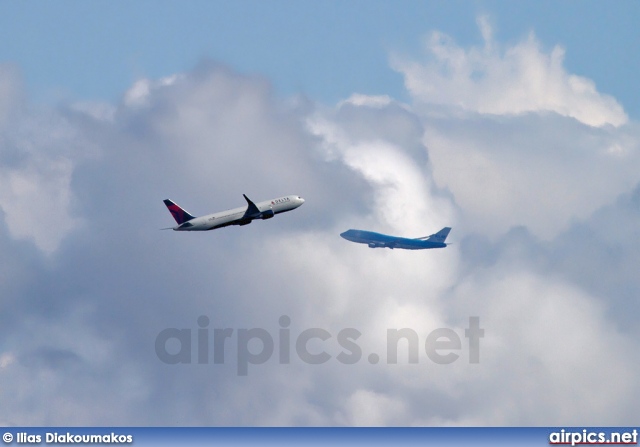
{"x": 240, "y": 216}
{"x": 379, "y": 240}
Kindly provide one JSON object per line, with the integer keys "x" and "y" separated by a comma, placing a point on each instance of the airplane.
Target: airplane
{"x": 378, "y": 240}
{"x": 237, "y": 216}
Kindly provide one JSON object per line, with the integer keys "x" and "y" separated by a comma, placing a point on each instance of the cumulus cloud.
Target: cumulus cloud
{"x": 38, "y": 152}
{"x": 36, "y": 201}
{"x": 544, "y": 332}
{"x": 516, "y": 138}
{"x": 140, "y": 91}
{"x": 86, "y": 298}
{"x": 519, "y": 79}
{"x": 540, "y": 171}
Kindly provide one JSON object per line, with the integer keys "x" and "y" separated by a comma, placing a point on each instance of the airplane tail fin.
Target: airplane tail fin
{"x": 181, "y": 216}
{"x": 440, "y": 236}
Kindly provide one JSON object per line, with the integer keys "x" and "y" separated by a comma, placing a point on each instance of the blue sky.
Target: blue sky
{"x": 514, "y": 123}
{"x": 326, "y": 50}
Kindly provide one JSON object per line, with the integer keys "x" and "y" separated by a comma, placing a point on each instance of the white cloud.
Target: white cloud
{"x": 519, "y": 79}
{"x": 6, "y": 360}
{"x": 549, "y": 353}
{"x": 36, "y": 201}
{"x": 539, "y": 172}
{"x": 37, "y": 152}
{"x": 139, "y": 92}
{"x": 358, "y": 99}
{"x": 515, "y": 137}
{"x": 368, "y": 408}
{"x": 404, "y": 198}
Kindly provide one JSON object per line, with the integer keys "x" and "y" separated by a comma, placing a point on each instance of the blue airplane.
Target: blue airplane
{"x": 378, "y": 240}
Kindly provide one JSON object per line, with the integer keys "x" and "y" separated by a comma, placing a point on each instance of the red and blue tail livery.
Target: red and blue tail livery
{"x": 237, "y": 216}
{"x": 181, "y": 216}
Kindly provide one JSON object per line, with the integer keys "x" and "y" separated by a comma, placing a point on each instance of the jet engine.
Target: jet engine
{"x": 268, "y": 214}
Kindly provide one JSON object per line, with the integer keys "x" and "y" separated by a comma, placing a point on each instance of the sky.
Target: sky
{"x": 516, "y": 124}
